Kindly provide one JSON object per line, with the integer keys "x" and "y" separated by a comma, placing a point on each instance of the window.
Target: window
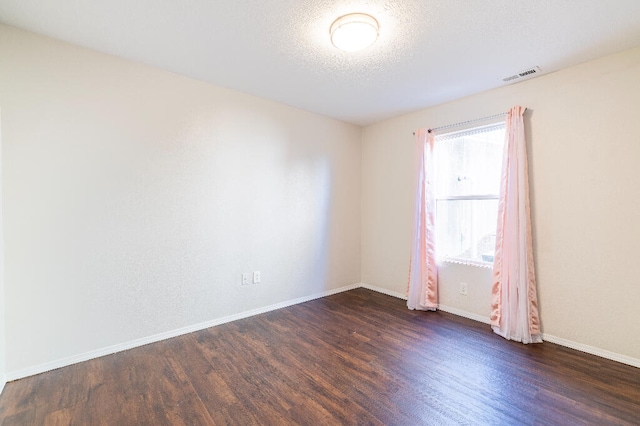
{"x": 467, "y": 185}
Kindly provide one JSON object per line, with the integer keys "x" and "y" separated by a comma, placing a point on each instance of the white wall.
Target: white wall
{"x": 134, "y": 199}
{"x": 584, "y": 145}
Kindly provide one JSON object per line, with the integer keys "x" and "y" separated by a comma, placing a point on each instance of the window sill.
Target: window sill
{"x": 467, "y": 262}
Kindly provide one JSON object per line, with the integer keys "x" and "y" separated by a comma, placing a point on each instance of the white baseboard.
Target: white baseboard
{"x": 545, "y": 337}
{"x": 384, "y": 291}
{"x": 63, "y": 362}
{"x": 592, "y": 350}
{"x": 464, "y": 314}
{"x": 444, "y": 308}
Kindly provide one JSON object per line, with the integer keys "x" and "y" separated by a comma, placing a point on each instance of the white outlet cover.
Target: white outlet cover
{"x": 463, "y": 289}
{"x": 256, "y": 277}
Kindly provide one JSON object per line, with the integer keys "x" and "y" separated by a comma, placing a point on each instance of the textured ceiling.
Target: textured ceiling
{"x": 428, "y": 52}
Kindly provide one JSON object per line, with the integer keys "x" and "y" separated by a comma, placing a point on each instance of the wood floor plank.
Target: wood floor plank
{"x": 357, "y": 357}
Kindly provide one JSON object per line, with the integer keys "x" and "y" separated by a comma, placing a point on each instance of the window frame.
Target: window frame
{"x": 445, "y": 138}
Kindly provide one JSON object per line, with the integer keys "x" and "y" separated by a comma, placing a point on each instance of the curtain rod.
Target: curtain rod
{"x": 462, "y": 123}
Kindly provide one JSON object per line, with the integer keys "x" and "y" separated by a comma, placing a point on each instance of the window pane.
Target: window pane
{"x": 469, "y": 164}
{"x": 466, "y": 229}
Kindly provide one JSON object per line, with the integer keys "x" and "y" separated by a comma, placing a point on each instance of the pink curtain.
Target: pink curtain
{"x": 422, "y": 289}
{"x": 514, "y": 310}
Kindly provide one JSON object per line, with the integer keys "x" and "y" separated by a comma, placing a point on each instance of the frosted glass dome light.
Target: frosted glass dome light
{"x": 353, "y": 32}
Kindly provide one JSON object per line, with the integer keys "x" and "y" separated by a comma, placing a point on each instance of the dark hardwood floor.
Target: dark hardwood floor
{"x": 357, "y": 357}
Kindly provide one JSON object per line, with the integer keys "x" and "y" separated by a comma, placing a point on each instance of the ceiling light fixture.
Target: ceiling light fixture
{"x": 355, "y": 31}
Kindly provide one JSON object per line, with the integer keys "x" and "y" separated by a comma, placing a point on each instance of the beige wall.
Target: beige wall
{"x": 584, "y": 145}
{"x": 135, "y": 198}
{"x": 3, "y": 347}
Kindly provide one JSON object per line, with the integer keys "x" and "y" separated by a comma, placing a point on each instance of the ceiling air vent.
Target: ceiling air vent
{"x": 528, "y": 73}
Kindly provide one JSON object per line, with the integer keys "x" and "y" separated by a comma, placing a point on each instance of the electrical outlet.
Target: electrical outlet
{"x": 256, "y": 277}
{"x": 463, "y": 289}
{"x": 245, "y": 279}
